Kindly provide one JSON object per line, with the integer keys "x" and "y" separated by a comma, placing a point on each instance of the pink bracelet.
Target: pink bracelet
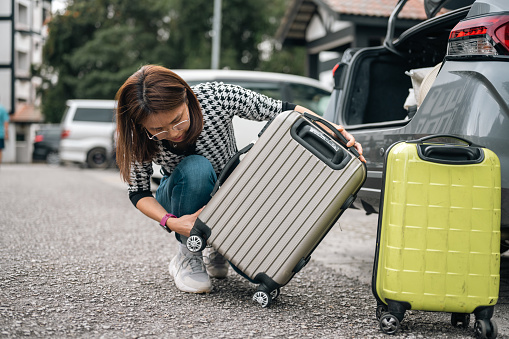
{"x": 165, "y": 219}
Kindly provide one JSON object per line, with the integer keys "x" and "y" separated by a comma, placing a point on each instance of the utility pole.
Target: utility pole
{"x": 216, "y": 38}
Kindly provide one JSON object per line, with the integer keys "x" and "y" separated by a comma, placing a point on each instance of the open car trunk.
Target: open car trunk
{"x": 378, "y": 76}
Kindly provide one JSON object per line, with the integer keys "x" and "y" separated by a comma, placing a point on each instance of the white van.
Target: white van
{"x": 87, "y": 130}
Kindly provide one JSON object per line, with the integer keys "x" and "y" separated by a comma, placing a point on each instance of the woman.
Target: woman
{"x": 189, "y": 133}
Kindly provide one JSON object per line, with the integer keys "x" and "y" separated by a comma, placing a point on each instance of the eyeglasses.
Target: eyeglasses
{"x": 177, "y": 128}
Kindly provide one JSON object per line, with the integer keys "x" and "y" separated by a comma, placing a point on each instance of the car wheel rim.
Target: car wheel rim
{"x": 99, "y": 159}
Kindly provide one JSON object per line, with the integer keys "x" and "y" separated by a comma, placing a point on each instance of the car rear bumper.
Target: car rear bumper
{"x": 72, "y": 155}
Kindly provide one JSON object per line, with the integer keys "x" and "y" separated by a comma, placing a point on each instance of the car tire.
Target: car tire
{"x": 97, "y": 158}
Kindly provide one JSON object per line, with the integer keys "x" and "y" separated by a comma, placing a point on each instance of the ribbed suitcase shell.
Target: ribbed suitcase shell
{"x": 439, "y": 233}
{"x": 278, "y": 203}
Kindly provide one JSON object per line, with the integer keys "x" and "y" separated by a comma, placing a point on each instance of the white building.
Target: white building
{"x": 22, "y": 35}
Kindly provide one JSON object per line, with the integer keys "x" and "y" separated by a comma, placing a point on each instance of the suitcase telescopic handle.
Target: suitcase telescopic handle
{"x": 340, "y": 136}
{"x": 229, "y": 167}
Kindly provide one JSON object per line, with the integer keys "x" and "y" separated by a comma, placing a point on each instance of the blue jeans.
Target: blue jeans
{"x": 188, "y": 188}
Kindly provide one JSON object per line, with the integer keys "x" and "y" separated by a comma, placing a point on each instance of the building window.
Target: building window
{"x": 46, "y": 14}
{"x": 22, "y": 62}
{"x": 23, "y": 14}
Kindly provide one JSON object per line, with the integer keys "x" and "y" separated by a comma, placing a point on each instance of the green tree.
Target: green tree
{"x": 96, "y": 44}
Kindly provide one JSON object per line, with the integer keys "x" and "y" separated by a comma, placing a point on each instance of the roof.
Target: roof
{"x": 413, "y": 9}
{"x": 224, "y": 75}
{"x": 27, "y": 113}
{"x": 300, "y": 12}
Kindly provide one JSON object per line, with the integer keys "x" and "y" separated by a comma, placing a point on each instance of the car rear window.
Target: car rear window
{"x": 52, "y": 133}
{"x": 94, "y": 114}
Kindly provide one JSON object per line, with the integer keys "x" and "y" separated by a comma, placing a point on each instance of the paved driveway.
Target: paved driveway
{"x": 78, "y": 261}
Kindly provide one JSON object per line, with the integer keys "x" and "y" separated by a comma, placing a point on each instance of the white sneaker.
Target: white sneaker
{"x": 189, "y": 272}
{"x": 215, "y": 263}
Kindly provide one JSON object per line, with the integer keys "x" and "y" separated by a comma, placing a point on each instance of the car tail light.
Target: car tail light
{"x": 65, "y": 133}
{"x": 38, "y": 138}
{"x": 335, "y": 69}
{"x": 480, "y": 36}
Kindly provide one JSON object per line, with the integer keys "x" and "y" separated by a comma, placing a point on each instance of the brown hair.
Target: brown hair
{"x": 151, "y": 90}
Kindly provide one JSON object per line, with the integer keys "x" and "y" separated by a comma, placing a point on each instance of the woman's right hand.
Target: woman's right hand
{"x": 184, "y": 224}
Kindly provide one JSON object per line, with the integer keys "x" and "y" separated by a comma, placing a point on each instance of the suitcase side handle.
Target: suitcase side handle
{"x": 229, "y": 167}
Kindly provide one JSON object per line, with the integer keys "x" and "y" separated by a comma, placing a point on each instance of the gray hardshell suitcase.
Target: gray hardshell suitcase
{"x": 280, "y": 201}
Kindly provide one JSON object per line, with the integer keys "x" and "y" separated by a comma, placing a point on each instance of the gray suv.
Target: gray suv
{"x": 446, "y": 75}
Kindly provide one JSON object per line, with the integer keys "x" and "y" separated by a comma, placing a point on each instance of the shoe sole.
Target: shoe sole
{"x": 218, "y": 276}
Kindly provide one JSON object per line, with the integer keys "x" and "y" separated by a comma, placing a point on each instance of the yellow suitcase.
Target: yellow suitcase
{"x": 438, "y": 239}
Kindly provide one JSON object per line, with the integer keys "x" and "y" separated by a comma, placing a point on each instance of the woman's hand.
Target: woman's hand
{"x": 341, "y": 129}
{"x": 184, "y": 224}
{"x": 351, "y": 141}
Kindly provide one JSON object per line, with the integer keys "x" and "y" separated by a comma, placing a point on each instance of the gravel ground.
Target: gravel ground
{"x": 78, "y": 261}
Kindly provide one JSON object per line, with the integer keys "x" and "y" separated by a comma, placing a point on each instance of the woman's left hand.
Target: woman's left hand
{"x": 351, "y": 141}
{"x": 341, "y": 129}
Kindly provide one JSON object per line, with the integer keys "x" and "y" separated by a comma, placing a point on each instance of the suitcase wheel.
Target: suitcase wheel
{"x": 263, "y": 298}
{"x": 380, "y": 310}
{"x": 460, "y": 320}
{"x": 195, "y": 243}
{"x": 389, "y": 324}
{"x": 275, "y": 293}
{"x": 485, "y": 328}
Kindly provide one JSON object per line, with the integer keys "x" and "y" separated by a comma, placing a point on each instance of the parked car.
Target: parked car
{"x": 464, "y": 57}
{"x": 87, "y": 127}
{"x": 299, "y": 90}
{"x": 46, "y": 142}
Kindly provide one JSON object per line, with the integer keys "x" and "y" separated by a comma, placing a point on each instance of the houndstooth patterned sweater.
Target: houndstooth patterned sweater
{"x": 219, "y": 103}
